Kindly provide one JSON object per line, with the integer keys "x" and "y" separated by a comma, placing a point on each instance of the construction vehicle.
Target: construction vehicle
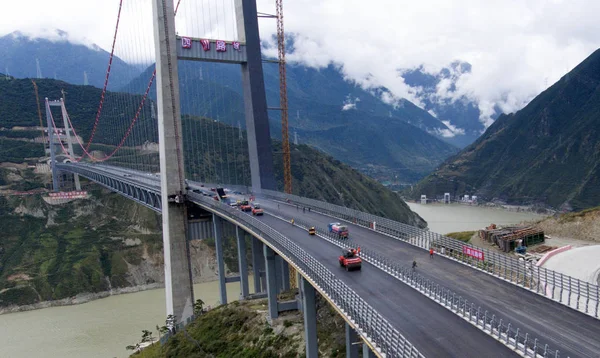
{"x": 350, "y": 260}
{"x": 257, "y": 210}
{"x": 312, "y": 231}
{"x": 339, "y": 229}
{"x": 245, "y": 206}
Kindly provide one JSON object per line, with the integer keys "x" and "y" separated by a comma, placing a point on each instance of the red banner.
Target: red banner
{"x": 469, "y": 251}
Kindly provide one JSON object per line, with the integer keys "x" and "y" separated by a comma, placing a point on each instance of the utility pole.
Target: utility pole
{"x": 178, "y": 274}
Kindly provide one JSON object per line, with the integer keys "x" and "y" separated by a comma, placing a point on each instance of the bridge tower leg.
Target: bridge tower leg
{"x": 309, "y": 309}
{"x": 271, "y": 281}
{"x": 352, "y": 342}
{"x": 257, "y": 260}
{"x": 51, "y": 139}
{"x": 218, "y": 227}
{"x": 69, "y": 140}
{"x": 241, "y": 246}
{"x": 367, "y": 352}
{"x": 178, "y": 273}
{"x": 255, "y": 100}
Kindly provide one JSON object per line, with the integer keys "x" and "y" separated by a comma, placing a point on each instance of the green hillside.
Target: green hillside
{"x": 547, "y": 153}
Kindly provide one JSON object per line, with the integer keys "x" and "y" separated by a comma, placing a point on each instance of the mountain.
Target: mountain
{"x": 461, "y": 116}
{"x": 547, "y": 153}
{"x": 62, "y": 59}
{"x": 225, "y": 151}
{"x": 326, "y": 112}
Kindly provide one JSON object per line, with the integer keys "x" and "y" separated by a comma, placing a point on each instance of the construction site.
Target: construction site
{"x": 512, "y": 238}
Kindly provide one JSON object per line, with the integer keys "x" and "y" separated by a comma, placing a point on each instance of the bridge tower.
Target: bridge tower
{"x": 56, "y": 141}
{"x": 178, "y": 274}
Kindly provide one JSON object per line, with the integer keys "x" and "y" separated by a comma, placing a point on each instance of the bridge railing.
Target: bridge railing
{"x": 368, "y": 321}
{"x": 580, "y": 295}
{"x": 502, "y": 330}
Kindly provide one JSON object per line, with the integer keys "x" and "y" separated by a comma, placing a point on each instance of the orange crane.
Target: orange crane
{"x": 285, "y": 139}
{"x": 37, "y": 99}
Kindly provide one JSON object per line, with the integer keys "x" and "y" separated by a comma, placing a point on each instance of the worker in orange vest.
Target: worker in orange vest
{"x": 431, "y": 253}
{"x": 358, "y": 250}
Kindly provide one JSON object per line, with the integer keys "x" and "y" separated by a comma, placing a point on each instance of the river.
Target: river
{"x": 103, "y": 328}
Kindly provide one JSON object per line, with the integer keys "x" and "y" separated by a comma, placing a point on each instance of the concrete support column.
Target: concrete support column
{"x": 257, "y": 260}
{"x": 271, "y": 281}
{"x": 218, "y": 228}
{"x": 178, "y": 273}
{"x": 242, "y": 262}
{"x": 300, "y": 296}
{"x": 279, "y": 273}
{"x": 310, "y": 319}
{"x": 352, "y": 346}
{"x": 367, "y": 352}
{"x": 285, "y": 275}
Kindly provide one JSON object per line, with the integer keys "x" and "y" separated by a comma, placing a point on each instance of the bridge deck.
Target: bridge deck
{"x": 573, "y": 333}
{"x": 434, "y": 330}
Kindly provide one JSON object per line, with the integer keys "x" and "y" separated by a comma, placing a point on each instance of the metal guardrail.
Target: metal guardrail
{"x": 548, "y": 283}
{"x": 368, "y": 321}
{"x": 511, "y": 336}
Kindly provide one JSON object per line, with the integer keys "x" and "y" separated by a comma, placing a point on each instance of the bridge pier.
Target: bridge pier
{"x": 279, "y": 273}
{"x": 271, "y": 281}
{"x": 367, "y": 352}
{"x": 310, "y": 319}
{"x": 218, "y": 227}
{"x": 242, "y": 262}
{"x": 285, "y": 275}
{"x": 257, "y": 264}
{"x": 299, "y": 296}
{"x": 352, "y": 342}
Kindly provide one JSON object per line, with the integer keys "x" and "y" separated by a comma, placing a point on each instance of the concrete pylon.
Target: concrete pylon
{"x": 178, "y": 274}
{"x": 255, "y": 100}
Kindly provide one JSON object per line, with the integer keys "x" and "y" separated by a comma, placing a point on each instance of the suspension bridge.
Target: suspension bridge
{"x": 178, "y": 134}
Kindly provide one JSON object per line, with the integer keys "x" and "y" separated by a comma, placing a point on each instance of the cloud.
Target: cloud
{"x": 350, "y": 103}
{"x": 516, "y": 47}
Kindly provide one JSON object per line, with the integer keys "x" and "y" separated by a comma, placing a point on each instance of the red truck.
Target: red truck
{"x": 350, "y": 260}
{"x": 339, "y": 229}
{"x": 257, "y": 210}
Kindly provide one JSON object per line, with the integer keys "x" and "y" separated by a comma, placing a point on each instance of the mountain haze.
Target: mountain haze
{"x": 61, "y": 59}
{"x": 548, "y": 152}
{"x": 325, "y": 111}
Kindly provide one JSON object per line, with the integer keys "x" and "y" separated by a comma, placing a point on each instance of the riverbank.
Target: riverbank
{"x": 92, "y": 296}
{"x": 79, "y": 299}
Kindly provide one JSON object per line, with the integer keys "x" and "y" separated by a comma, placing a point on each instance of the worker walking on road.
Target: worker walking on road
{"x": 303, "y": 210}
{"x": 414, "y": 265}
{"x": 431, "y": 253}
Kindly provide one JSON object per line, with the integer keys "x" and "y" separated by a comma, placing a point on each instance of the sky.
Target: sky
{"x": 517, "y": 48}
